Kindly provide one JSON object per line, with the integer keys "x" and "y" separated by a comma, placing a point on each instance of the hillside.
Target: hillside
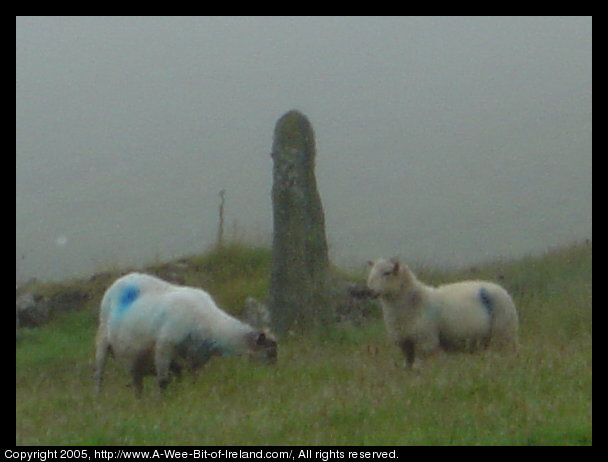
{"x": 342, "y": 386}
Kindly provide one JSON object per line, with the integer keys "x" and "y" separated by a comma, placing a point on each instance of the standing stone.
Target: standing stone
{"x": 299, "y": 274}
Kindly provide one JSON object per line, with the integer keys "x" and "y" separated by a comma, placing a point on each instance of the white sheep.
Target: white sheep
{"x": 421, "y": 319}
{"x": 157, "y": 328}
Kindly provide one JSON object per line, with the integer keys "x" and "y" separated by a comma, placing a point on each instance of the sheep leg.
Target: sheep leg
{"x": 101, "y": 354}
{"x": 409, "y": 351}
{"x": 136, "y": 369}
{"x": 138, "y": 382}
{"x": 162, "y": 364}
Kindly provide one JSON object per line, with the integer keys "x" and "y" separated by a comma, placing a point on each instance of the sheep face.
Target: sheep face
{"x": 388, "y": 278}
{"x": 262, "y": 347}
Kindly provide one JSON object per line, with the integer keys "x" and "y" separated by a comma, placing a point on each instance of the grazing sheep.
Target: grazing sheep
{"x": 157, "y": 328}
{"x": 464, "y": 316}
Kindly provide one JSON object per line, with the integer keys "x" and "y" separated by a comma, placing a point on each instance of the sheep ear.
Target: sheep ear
{"x": 396, "y": 265}
{"x": 370, "y": 263}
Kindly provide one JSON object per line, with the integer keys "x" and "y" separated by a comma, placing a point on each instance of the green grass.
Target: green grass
{"x": 344, "y": 386}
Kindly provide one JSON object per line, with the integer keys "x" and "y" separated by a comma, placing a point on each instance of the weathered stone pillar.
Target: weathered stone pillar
{"x": 299, "y": 274}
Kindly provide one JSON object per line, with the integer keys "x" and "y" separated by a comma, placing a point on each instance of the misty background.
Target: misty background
{"x": 444, "y": 140}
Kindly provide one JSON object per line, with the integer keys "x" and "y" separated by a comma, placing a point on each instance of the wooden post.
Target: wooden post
{"x": 220, "y": 228}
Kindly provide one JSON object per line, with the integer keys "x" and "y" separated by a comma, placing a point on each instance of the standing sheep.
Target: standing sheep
{"x": 157, "y": 328}
{"x": 420, "y": 319}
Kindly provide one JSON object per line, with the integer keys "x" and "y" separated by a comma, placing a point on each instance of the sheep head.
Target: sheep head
{"x": 262, "y": 347}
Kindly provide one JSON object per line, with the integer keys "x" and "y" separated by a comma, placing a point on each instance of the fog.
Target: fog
{"x": 444, "y": 140}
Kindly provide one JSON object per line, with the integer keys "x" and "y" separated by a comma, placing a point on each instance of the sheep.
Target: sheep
{"x": 421, "y": 320}
{"x": 158, "y": 328}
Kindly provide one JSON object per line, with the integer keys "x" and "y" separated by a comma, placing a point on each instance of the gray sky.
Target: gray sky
{"x": 441, "y": 140}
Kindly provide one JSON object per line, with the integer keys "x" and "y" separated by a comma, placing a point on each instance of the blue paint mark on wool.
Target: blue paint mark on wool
{"x": 126, "y": 298}
{"x": 486, "y": 300}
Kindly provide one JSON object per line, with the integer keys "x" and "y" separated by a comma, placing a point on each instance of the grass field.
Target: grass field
{"x": 343, "y": 386}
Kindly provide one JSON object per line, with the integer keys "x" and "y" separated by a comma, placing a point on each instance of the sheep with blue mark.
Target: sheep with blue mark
{"x": 158, "y": 328}
{"x": 421, "y": 320}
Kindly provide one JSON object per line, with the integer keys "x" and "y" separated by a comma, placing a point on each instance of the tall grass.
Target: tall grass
{"x": 342, "y": 386}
